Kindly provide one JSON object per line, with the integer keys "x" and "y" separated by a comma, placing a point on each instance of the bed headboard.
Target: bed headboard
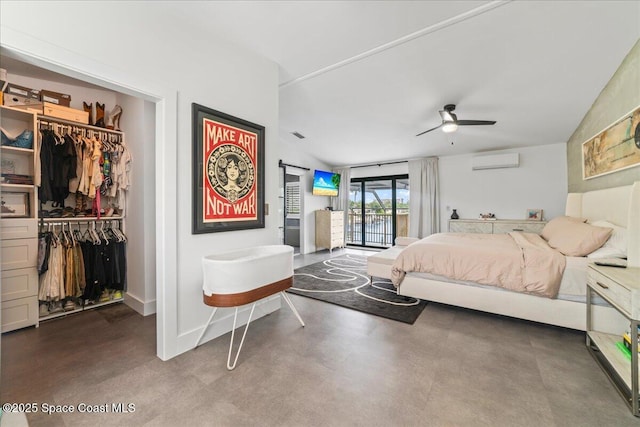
{"x": 618, "y": 205}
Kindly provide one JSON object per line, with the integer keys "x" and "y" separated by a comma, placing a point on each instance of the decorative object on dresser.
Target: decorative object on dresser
{"x": 495, "y": 226}
{"x": 454, "y": 214}
{"x": 329, "y": 229}
{"x": 620, "y": 287}
{"x": 488, "y": 216}
{"x": 534, "y": 214}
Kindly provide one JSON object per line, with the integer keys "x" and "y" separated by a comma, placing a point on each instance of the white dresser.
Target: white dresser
{"x": 329, "y": 229}
{"x": 498, "y": 226}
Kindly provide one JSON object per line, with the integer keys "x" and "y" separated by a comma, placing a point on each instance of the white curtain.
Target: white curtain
{"x": 341, "y": 203}
{"x": 424, "y": 197}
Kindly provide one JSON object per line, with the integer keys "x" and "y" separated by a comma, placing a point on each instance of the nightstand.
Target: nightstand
{"x": 620, "y": 287}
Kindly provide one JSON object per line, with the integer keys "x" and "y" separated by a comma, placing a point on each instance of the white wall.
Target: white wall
{"x": 140, "y": 219}
{"x": 175, "y": 68}
{"x": 539, "y": 182}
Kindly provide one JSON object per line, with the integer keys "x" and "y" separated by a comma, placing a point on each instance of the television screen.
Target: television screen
{"x": 325, "y": 183}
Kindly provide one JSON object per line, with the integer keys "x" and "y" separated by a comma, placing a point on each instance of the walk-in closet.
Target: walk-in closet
{"x": 77, "y": 199}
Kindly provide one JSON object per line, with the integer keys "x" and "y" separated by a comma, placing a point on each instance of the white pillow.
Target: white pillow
{"x": 615, "y": 246}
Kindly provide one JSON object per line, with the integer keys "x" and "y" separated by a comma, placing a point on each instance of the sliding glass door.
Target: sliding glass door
{"x": 378, "y": 210}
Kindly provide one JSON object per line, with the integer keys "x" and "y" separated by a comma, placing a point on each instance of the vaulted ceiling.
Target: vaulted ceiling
{"x": 360, "y": 79}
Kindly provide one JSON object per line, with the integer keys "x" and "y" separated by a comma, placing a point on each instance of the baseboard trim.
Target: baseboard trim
{"x": 142, "y": 307}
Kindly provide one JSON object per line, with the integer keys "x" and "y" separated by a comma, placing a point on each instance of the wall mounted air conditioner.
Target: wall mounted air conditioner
{"x": 495, "y": 161}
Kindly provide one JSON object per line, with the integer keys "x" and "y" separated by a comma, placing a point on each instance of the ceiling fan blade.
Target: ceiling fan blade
{"x": 475, "y": 122}
{"x": 422, "y": 133}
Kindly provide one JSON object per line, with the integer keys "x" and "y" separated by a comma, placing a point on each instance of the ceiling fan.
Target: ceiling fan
{"x": 450, "y": 121}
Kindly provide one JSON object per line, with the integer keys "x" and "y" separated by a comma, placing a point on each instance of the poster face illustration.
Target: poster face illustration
{"x": 229, "y": 160}
{"x": 615, "y": 148}
{"x": 230, "y": 173}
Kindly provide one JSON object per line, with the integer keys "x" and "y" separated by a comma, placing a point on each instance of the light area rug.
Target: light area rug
{"x": 344, "y": 281}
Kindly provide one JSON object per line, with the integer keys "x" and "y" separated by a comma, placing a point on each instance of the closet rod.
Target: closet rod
{"x": 282, "y": 164}
{"x": 81, "y": 219}
{"x": 49, "y": 119}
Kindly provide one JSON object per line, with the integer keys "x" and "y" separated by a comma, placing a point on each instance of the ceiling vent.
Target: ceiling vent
{"x": 495, "y": 161}
{"x": 298, "y": 134}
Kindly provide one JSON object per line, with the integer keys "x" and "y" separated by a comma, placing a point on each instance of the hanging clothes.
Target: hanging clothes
{"x": 48, "y": 141}
{"x": 52, "y": 281}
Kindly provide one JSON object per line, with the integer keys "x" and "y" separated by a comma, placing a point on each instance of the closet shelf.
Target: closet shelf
{"x": 11, "y": 149}
{"x": 10, "y": 187}
{"x": 42, "y": 118}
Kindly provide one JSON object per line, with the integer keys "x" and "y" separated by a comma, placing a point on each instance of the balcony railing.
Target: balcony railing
{"x": 377, "y": 227}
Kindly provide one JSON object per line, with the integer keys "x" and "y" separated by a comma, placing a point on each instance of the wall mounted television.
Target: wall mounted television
{"x": 325, "y": 183}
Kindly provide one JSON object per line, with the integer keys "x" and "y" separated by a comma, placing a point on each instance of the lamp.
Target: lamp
{"x": 449, "y": 127}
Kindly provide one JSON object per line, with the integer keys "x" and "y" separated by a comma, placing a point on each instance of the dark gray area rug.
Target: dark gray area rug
{"x": 344, "y": 281}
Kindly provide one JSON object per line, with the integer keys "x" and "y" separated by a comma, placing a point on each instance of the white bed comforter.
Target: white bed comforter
{"x": 517, "y": 261}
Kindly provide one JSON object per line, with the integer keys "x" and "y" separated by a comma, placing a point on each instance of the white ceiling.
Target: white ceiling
{"x": 361, "y": 78}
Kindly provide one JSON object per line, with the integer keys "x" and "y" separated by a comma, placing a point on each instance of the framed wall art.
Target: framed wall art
{"x": 534, "y": 214}
{"x": 614, "y": 149}
{"x": 228, "y": 172}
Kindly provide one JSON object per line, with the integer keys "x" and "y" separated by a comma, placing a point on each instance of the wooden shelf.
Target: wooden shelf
{"x": 18, "y": 150}
{"x": 607, "y": 345}
{"x": 14, "y": 187}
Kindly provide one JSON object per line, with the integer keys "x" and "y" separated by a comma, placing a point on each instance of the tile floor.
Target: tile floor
{"x": 453, "y": 367}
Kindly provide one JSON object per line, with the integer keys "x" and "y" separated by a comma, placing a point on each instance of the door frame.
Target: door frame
{"x": 58, "y": 59}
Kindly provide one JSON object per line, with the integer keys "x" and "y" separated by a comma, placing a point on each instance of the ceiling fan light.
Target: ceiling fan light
{"x": 449, "y": 127}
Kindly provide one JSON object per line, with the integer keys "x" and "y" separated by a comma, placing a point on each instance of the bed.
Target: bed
{"x": 618, "y": 205}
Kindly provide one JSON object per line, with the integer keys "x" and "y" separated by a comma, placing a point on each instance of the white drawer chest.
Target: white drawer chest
{"x": 329, "y": 229}
{"x": 620, "y": 287}
{"x": 498, "y": 226}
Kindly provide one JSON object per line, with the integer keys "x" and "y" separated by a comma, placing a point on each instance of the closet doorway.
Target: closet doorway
{"x": 139, "y": 125}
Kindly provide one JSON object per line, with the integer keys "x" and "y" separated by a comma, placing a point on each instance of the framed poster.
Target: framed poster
{"x": 228, "y": 172}
{"x": 615, "y": 148}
